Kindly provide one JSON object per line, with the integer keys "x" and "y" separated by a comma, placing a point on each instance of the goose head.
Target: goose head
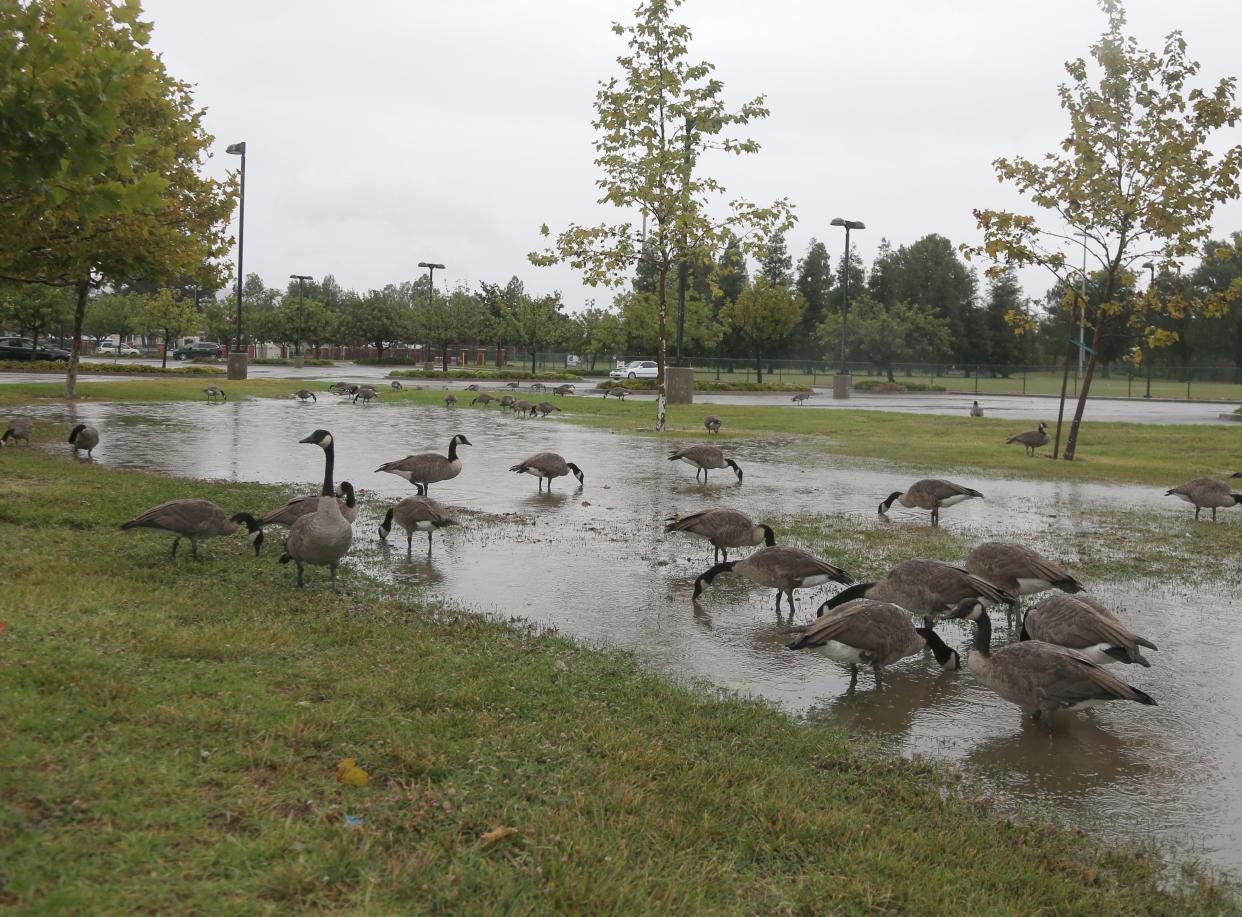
{"x": 320, "y": 438}
{"x": 946, "y": 657}
{"x": 971, "y": 609}
{"x": 577, "y": 472}
{"x": 736, "y": 469}
{"x": 888, "y": 501}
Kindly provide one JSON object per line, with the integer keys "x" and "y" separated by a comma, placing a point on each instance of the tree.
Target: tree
{"x": 600, "y": 331}
{"x": 814, "y": 282}
{"x": 447, "y": 320}
{"x": 1220, "y": 274}
{"x": 928, "y": 272}
{"x": 100, "y": 157}
{"x": 653, "y": 125}
{"x": 218, "y": 320}
{"x": 168, "y": 315}
{"x": 113, "y": 313}
{"x": 765, "y": 315}
{"x": 533, "y": 322}
{"x": 32, "y": 309}
{"x": 640, "y": 314}
{"x": 1002, "y": 344}
{"x": 318, "y": 324}
{"x": 884, "y": 335}
{"x": 775, "y": 265}
{"x": 1136, "y": 178}
{"x": 378, "y": 318}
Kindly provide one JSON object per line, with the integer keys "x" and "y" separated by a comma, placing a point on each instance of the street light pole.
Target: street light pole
{"x": 845, "y": 286}
{"x": 237, "y": 361}
{"x": 300, "y": 278}
{"x": 431, "y": 291}
{"x": 1151, "y": 288}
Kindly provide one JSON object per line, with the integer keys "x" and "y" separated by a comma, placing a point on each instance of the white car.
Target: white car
{"x": 125, "y": 350}
{"x": 636, "y": 369}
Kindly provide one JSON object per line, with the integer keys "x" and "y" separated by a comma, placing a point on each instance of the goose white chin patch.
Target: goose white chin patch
{"x": 326, "y": 441}
{"x": 255, "y": 536}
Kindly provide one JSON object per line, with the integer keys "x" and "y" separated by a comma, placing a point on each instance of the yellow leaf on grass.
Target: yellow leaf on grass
{"x": 348, "y": 772}
{"x": 497, "y": 834}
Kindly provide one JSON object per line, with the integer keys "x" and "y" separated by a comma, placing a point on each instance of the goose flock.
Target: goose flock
{"x": 1056, "y": 664}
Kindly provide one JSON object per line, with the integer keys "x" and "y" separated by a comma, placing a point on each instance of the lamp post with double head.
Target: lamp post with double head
{"x": 432, "y": 267}
{"x": 237, "y": 359}
{"x": 840, "y": 386}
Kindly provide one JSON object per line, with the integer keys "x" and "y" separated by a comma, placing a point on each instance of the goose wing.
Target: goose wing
{"x": 1064, "y": 676}
{"x": 184, "y": 517}
{"x": 880, "y": 629}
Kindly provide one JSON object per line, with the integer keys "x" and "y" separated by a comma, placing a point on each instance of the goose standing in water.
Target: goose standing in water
{"x": 84, "y": 437}
{"x": 1039, "y": 677}
{"x": 1032, "y": 439}
{"x": 1205, "y": 493}
{"x": 415, "y": 514}
{"x": 19, "y": 428}
{"x": 484, "y": 399}
{"x": 925, "y": 588}
{"x": 704, "y": 457}
{"x": 321, "y": 538}
{"x": 428, "y": 467}
{"x": 782, "y": 568}
{"x": 1083, "y": 624}
{"x": 724, "y": 528}
{"x": 975, "y": 410}
{"x": 1018, "y": 570}
{"x": 546, "y": 466}
{"x": 304, "y": 395}
{"x": 873, "y": 633}
{"x": 365, "y": 393}
{"x": 932, "y": 494}
{"x": 196, "y": 520}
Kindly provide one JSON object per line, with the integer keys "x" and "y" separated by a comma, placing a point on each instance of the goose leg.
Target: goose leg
{"x": 936, "y": 517}
{"x": 779, "y": 596}
{"x": 194, "y": 549}
{"x": 176, "y": 542}
{"x": 409, "y": 542}
{"x": 299, "y": 563}
{"x": 428, "y": 542}
{"x": 332, "y": 570}
{"x": 875, "y": 667}
{"x": 1197, "y": 508}
{"x": 853, "y": 678}
{"x": 1213, "y": 513}
{"x": 725, "y": 552}
{"x": 789, "y": 595}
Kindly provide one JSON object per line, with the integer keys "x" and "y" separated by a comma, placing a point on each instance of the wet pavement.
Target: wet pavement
{"x": 596, "y": 564}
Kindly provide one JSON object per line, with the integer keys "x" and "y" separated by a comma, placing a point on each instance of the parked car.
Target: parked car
{"x": 636, "y": 369}
{"x": 110, "y": 349}
{"x": 199, "y": 350}
{"x": 20, "y": 349}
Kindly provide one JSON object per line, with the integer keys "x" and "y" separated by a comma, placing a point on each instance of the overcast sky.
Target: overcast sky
{"x": 382, "y": 133}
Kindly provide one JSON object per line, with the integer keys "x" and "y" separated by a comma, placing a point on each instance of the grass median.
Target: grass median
{"x": 171, "y": 733}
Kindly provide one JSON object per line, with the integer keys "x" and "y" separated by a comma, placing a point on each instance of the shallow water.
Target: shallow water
{"x": 596, "y": 564}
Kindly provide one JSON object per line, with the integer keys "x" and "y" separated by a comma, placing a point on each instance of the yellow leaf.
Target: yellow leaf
{"x": 348, "y": 772}
{"x": 497, "y": 834}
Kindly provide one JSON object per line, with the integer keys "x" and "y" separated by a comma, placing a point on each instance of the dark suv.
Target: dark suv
{"x": 199, "y": 350}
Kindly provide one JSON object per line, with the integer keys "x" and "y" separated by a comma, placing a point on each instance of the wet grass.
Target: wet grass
{"x": 171, "y": 732}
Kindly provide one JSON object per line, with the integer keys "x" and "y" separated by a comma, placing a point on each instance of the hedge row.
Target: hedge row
{"x": 125, "y": 369}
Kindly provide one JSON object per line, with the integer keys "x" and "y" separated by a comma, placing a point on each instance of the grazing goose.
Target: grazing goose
{"x": 305, "y": 394}
{"x": 544, "y": 408}
{"x": 472, "y": 387}
{"x": 566, "y": 388}
{"x": 321, "y": 538}
{"x": 874, "y": 633}
{"x": 450, "y": 400}
{"x": 484, "y": 399}
{"x": 925, "y": 588}
{"x": 19, "y": 428}
{"x": 617, "y": 392}
{"x": 1203, "y": 493}
{"x": 522, "y": 408}
{"x": 214, "y": 392}
{"x": 506, "y": 401}
{"x": 428, "y": 467}
{"x": 546, "y": 466}
{"x": 724, "y": 528}
{"x": 1085, "y": 625}
{"x": 364, "y": 393}
{"x": 288, "y": 513}
{"x": 975, "y": 410}
{"x": 712, "y": 423}
{"x": 1032, "y": 439}
{"x": 538, "y": 387}
{"x": 395, "y": 385}
{"x": 932, "y": 494}
{"x": 196, "y": 520}
{"x": 513, "y": 385}
{"x": 1040, "y": 677}
{"x": 415, "y": 514}
{"x": 704, "y": 457}
{"x": 84, "y": 437}
{"x": 1018, "y": 570}
{"x": 783, "y": 569}
{"x": 800, "y": 398}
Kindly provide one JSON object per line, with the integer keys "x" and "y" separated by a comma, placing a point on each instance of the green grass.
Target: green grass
{"x": 171, "y": 731}
{"x": 707, "y": 385}
{"x": 567, "y": 375}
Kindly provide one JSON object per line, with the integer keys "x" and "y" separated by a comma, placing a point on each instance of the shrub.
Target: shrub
{"x": 568, "y": 375}
{"x": 637, "y": 385}
{"x": 127, "y": 369}
{"x": 282, "y": 361}
{"x": 881, "y": 385}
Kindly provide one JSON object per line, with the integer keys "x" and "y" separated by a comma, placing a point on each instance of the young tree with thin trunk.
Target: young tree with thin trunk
{"x": 1136, "y": 178}
{"x": 654, "y": 123}
{"x": 167, "y": 315}
{"x": 765, "y": 315}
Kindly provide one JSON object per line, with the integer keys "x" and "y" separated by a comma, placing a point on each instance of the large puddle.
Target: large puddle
{"x": 596, "y": 564}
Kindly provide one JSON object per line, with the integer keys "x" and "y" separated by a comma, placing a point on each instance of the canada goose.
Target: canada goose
{"x": 1085, "y": 625}
{"x": 472, "y": 387}
{"x": 395, "y": 385}
{"x": 538, "y": 387}
{"x": 1040, "y": 677}
{"x": 415, "y": 514}
{"x": 932, "y": 494}
{"x": 704, "y": 457}
{"x": 196, "y": 520}
{"x": 84, "y": 437}
{"x": 1207, "y": 492}
{"x": 484, "y": 399}
{"x": 800, "y": 398}
{"x": 712, "y": 423}
{"x": 364, "y": 393}
{"x": 784, "y": 569}
{"x": 305, "y": 394}
{"x": 1032, "y": 439}
{"x": 19, "y": 428}
{"x": 214, "y": 392}
{"x": 522, "y": 408}
{"x": 975, "y": 410}
{"x": 323, "y": 537}
{"x": 288, "y": 513}
{"x": 513, "y": 385}
{"x": 544, "y": 408}
{"x": 428, "y": 467}
{"x": 724, "y": 528}
{"x": 506, "y": 401}
{"x": 925, "y": 588}
{"x": 617, "y": 392}
{"x": 566, "y": 388}
{"x": 876, "y": 633}
{"x": 450, "y": 400}
{"x": 546, "y": 466}
{"x": 1018, "y": 570}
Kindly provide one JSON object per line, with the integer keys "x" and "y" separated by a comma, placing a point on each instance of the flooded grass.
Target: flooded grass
{"x": 172, "y": 732}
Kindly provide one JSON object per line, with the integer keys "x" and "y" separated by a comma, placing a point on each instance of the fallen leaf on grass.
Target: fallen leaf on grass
{"x": 497, "y": 834}
{"x": 348, "y": 772}
{"x": 586, "y": 502}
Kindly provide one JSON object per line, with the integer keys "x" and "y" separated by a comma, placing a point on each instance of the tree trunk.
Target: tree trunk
{"x": 662, "y": 351}
{"x": 534, "y": 355}
{"x": 379, "y": 351}
{"x": 164, "y": 356}
{"x": 79, "y": 314}
{"x": 1069, "y": 355}
{"x": 759, "y": 367}
{"x": 889, "y": 370}
{"x": 444, "y": 357}
{"x": 1072, "y": 443}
